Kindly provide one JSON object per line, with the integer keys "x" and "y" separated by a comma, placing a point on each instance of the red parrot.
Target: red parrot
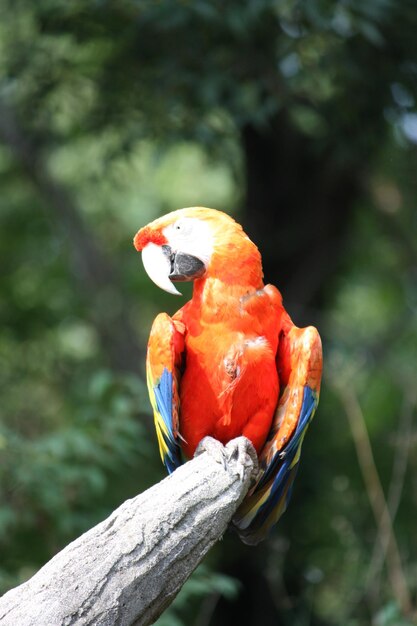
{"x": 230, "y": 362}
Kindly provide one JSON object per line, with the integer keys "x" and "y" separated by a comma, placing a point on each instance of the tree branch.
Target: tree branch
{"x": 129, "y": 568}
{"x": 403, "y": 445}
{"x": 375, "y": 494}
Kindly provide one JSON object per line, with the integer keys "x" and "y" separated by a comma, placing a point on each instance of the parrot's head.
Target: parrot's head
{"x": 194, "y": 243}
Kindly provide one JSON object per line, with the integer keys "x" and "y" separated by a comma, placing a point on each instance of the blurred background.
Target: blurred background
{"x": 299, "y": 119}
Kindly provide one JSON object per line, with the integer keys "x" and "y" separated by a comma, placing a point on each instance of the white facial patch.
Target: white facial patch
{"x": 191, "y": 235}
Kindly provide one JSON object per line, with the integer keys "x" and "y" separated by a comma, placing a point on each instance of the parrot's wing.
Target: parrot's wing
{"x": 299, "y": 363}
{"x": 163, "y": 365}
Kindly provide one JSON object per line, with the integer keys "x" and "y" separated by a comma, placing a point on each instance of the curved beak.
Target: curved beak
{"x": 163, "y": 265}
{"x": 157, "y": 265}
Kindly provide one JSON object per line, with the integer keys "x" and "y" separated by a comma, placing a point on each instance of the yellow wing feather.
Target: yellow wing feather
{"x": 163, "y": 363}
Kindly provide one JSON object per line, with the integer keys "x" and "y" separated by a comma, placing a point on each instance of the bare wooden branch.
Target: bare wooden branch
{"x": 128, "y": 569}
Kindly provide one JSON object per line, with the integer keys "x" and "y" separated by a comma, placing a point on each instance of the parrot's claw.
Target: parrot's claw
{"x": 214, "y": 448}
{"x": 234, "y": 457}
{"x": 241, "y": 452}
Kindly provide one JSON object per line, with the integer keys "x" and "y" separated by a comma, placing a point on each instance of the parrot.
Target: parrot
{"x": 230, "y": 362}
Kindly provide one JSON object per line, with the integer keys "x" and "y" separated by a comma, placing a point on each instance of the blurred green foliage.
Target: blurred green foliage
{"x": 113, "y": 113}
{"x": 198, "y": 596}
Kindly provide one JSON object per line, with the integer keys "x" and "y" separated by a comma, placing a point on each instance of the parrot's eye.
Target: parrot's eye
{"x": 183, "y": 227}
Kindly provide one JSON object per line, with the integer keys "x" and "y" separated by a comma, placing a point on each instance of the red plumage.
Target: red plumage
{"x": 231, "y": 359}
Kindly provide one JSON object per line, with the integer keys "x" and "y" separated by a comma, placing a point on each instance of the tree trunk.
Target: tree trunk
{"x": 299, "y": 202}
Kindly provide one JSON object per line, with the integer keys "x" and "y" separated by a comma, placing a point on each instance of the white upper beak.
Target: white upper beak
{"x": 158, "y": 267}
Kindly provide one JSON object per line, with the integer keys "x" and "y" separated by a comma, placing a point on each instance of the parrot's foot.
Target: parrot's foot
{"x": 235, "y": 456}
{"x": 240, "y": 451}
{"x": 214, "y": 448}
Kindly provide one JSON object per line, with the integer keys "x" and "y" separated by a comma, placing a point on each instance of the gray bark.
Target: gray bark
{"x": 129, "y": 568}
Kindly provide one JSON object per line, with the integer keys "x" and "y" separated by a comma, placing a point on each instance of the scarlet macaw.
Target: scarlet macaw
{"x": 230, "y": 362}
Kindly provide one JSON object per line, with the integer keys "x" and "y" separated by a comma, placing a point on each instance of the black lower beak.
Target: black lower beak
{"x": 184, "y": 267}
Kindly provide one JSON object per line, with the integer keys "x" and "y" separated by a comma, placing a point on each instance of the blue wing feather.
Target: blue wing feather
{"x": 165, "y": 349}
{"x": 272, "y": 493}
{"x": 163, "y": 397}
{"x": 307, "y": 411}
{"x": 284, "y": 479}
